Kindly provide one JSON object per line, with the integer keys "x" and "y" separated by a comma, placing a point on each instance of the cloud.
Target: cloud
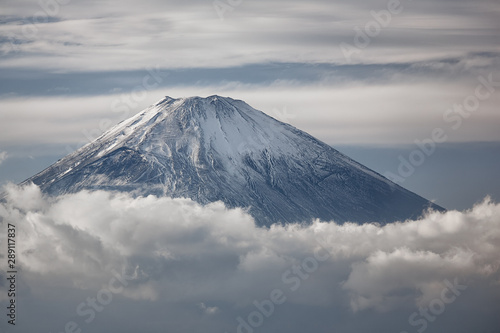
{"x": 208, "y": 309}
{"x": 77, "y": 36}
{"x": 3, "y": 156}
{"x": 397, "y": 111}
{"x": 188, "y": 267}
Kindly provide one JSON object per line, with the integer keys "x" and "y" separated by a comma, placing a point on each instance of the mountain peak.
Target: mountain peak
{"x": 194, "y": 107}
{"x": 195, "y": 99}
{"x": 217, "y": 148}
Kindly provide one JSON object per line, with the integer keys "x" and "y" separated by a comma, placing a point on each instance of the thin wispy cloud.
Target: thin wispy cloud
{"x": 178, "y": 34}
{"x": 354, "y": 113}
{"x": 3, "y": 156}
{"x": 423, "y": 58}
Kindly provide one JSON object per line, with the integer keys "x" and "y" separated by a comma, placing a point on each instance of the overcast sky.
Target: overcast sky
{"x": 377, "y": 79}
{"x": 376, "y": 74}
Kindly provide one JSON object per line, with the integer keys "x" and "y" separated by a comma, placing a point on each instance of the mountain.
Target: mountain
{"x": 218, "y": 148}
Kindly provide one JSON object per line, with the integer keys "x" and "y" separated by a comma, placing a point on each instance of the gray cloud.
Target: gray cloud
{"x": 175, "y": 34}
{"x": 193, "y": 268}
{"x": 395, "y": 91}
{"x": 399, "y": 110}
{"x": 39, "y": 82}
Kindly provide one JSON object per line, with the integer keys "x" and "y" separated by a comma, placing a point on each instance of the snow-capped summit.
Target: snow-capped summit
{"x": 218, "y": 148}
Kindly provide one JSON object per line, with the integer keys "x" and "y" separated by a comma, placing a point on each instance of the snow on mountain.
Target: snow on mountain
{"x": 218, "y": 148}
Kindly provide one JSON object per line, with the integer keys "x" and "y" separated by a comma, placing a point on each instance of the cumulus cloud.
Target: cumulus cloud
{"x": 197, "y": 268}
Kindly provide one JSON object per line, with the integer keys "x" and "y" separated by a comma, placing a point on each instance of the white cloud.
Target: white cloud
{"x": 3, "y": 156}
{"x": 391, "y": 113}
{"x": 208, "y": 309}
{"x": 182, "y": 258}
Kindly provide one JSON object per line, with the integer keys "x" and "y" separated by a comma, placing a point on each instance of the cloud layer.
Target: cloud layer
{"x": 73, "y": 35}
{"x": 153, "y": 263}
{"x": 360, "y": 113}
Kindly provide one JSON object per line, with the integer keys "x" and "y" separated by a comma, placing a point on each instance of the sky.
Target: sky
{"x": 363, "y": 76}
{"x": 409, "y": 88}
